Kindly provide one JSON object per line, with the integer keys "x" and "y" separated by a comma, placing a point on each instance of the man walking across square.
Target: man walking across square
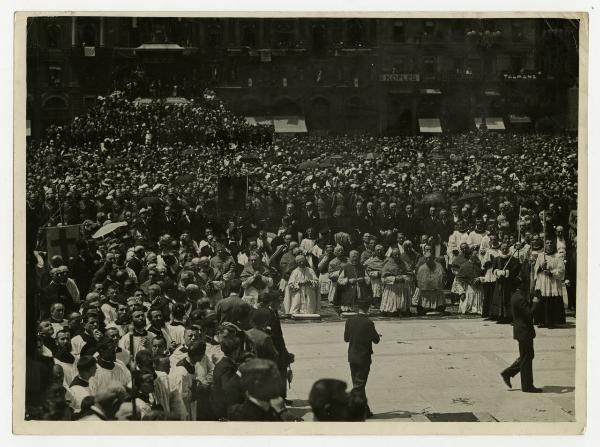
{"x": 360, "y": 333}
{"x": 524, "y": 333}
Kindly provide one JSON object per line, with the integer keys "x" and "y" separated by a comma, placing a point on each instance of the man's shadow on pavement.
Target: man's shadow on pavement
{"x": 554, "y": 389}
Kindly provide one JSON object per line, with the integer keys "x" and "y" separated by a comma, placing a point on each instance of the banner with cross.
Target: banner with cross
{"x": 62, "y": 241}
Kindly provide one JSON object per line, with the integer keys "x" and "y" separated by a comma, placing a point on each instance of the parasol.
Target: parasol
{"x": 108, "y": 228}
{"x": 149, "y": 200}
{"x": 250, "y": 157}
{"x": 471, "y": 196}
{"x": 184, "y": 179}
{"x": 188, "y": 151}
{"x": 112, "y": 161}
{"x": 369, "y": 156}
{"x": 310, "y": 164}
{"x": 433, "y": 198}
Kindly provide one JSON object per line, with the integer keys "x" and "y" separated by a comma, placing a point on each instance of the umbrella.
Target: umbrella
{"x": 189, "y": 151}
{"x": 112, "y": 161}
{"x": 149, "y": 200}
{"x": 369, "y": 156}
{"x": 403, "y": 164}
{"x": 438, "y": 157}
{"x": 184, "y": 179}
{"x": 433, "y": 198}
{"x": 250, "y": 157}
{"x": 108, "y": 228}
{"x": 471, "y": 196}
{"x": 310, "y": 164}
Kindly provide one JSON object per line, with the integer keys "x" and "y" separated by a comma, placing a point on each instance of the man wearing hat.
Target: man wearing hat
{"x": 263, "y": 403}
{"x": 259, "y": 341}
{"x": 360, "y": 333}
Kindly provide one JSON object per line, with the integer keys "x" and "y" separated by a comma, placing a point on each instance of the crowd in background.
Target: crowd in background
{"x": 188, "y": 292}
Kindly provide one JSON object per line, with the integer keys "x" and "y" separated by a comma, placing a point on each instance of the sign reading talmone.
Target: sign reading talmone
{"x": 399, "y": 77}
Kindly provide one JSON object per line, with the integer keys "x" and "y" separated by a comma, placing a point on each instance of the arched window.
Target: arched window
{"x": 319, "y": 116}
{"x": 54, "y": 103}
{"x": 53, "y": 35}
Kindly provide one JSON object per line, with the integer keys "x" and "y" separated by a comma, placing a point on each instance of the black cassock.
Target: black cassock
{"x": 503, "y": 289}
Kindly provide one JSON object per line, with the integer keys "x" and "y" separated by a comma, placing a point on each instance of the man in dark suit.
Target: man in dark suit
{"x": 524, "y": 333}
{"x": 261, "y": 343}
{"x": 410, "y": 224}
{"x": 233, "y": 309}
{"x": 226, "y": 388}
{"x": 360, "y": 333}
{"x": 263, "y": 403}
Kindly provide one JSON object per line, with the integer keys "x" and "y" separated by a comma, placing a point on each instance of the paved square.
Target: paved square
{"x": 441, "y": 366}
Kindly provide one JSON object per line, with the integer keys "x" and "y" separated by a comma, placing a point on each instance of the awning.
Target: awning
{"x": 160, "y": 46}
{"x": 491, "y": 93}
{"x": 519, "y": 119}
{"x": 27, "y": 128}
{"x": 256, "y": 120}
{"x": 492, "y": 123}
{"x": 431, "y": 91}
{"x": 289, "y": 124}
{"x": 142, "y": 101}
{"x": 430, "y": 125}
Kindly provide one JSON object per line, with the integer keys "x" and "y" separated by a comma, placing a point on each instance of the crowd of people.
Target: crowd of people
{"x": 176, "y": 314}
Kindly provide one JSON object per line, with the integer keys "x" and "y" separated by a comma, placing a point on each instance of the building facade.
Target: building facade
{"x": 380, "y": 76}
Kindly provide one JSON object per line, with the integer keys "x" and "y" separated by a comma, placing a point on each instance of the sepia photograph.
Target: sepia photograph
{"x": 301, "y": 218}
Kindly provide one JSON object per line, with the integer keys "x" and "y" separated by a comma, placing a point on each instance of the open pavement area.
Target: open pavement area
{"x": 444, "y": 369}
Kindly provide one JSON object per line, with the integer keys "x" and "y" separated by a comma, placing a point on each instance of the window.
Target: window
{"x": 429, "y": 67}
{"x": 458, "y": 31}
{"x": 399, "y": 32}
{"x": 53, "y": 35}
{"x": 284, "y": 34}
{"x": 356, "y": 33}
{"x": 249, "y": 35}
{"x": 473, "y": 67}
{"x": 89, "y": 101}
{"x": 55, "y": 76}
{"x": 399, "y": 66}
{"x": 214, "y": 33}
{"x": 516, "y": 63}
{"x": 517, "y": 32}
{"x": 319, "y": 39}
{"x": 429, "y": 27}
{"x": 458, "y": 66}
{"x": 88, "y": 35}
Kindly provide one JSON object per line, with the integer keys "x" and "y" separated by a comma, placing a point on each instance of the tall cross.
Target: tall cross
{"x": 63, "y": 243}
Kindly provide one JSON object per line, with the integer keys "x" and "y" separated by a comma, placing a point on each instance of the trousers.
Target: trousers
{"x": 523, "y": 364}
{"x": 360, "y": 374}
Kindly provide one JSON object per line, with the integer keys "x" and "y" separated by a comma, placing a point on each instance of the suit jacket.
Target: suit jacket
{"x": 249, "y": 411}
{"x": 274, "y": 323}
{"x": 262, "y": 344}
{"x": 410, "y": 226}
{"x": 360, "y": 333}
{"x": 232, "y": 309}
{"x": 226, "y": 388}
{"x": 522, "y": 312}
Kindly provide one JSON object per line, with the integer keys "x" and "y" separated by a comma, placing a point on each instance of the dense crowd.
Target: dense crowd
{"x": 190, "y": 296}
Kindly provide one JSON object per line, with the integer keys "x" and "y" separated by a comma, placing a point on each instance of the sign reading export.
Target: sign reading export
{"x": 399, "y": 77}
